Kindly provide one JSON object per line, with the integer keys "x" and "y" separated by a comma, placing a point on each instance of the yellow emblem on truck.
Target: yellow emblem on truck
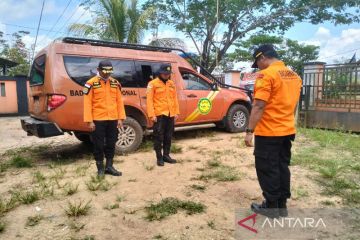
{"x": 204, "y": 106}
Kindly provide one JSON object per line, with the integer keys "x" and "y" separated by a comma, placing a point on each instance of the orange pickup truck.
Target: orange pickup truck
{"x": 60, "y": 71}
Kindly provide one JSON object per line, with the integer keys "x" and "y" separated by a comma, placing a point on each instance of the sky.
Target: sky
{"x": 336, "y": 42}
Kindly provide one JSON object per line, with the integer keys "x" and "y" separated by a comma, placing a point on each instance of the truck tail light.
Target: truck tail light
{"x": 54, "y": 101}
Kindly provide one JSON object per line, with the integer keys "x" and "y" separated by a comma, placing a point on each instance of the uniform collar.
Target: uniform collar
{"x": 277, "y": 63}
{"x": 158, "y": 79}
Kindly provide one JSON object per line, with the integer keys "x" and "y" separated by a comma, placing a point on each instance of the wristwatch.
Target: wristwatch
{"x": 249, "y": 130}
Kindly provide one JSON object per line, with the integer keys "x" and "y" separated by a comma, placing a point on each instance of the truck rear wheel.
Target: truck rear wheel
{"x": 130, "y": 136}
{"x": 237, "y": 118}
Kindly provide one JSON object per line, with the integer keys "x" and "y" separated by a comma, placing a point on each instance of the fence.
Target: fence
{"x": 331, "y": 96}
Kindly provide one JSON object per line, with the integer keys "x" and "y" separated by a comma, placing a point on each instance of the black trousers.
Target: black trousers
{"x": 163, "y": 131}
{"x": 104, "y": 138}
{"x": 272, "y": 159}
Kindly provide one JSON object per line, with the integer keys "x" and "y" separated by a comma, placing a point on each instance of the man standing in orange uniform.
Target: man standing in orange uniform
{"x": 163, "y": 110}
{"x": 104, "y": 113}
{"x": 276, "y": 93}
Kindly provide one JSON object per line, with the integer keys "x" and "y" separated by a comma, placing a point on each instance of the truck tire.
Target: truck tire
{"x": 130, "y": 136}
{"x": 237, "y": 118}
{"x": 83, "y": 137}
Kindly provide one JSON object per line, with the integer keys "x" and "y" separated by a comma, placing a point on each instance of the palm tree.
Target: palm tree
{"x": 116, "y": 20}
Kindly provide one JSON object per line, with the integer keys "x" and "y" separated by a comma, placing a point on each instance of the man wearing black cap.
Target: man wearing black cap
{"x": 104, "y": 113}
{"x": 163, "y": 110}
{"x": 276, "y": 93}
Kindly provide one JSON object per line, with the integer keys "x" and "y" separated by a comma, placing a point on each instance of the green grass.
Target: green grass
{"x": 2, "y": 226}
{"x": 146, "y": 146}
{"x": 82, "y": 170}
{"x": 20, "y": 162}
{"x": 70, "y": 189}
{"x": 170, "y": 206}
{"x": 335, "y": 156}
{"x": 38, "y": 177}
{"x": 213, "y": 163}
{"x": 29, "y": 197}
{"x": 34, "y": 220}
{"x": 211, "y": 224}
{"x": 120, "y": 198}
{"x": 175, "y": 148}
{"x": 98, "y": 183}
{"x": 111, "y": 206}
{"x": 197, "y": 187}
{"x": 216, "y": 170}
{"x": 76, "y": 209}
{"x": 299, "y": 193}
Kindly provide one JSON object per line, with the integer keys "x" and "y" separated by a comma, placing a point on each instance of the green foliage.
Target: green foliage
{"x": 293, "y": 53}
{"x": 16, "y": 51}
{"x": 115, "y": 20}
{"x": 213, "y": 31}
{"x": 170, "y": 206}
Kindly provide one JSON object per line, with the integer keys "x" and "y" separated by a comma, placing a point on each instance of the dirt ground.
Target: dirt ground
{"x": 142, "y": 183}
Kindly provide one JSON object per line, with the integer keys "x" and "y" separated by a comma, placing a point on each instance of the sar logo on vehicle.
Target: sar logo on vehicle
{"x": 204, "y": 106}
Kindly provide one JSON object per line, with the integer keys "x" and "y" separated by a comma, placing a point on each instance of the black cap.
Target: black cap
{"x": 267, "y": 50}
{"x": 106, "y": 66}
{"x": 165, "y": 69}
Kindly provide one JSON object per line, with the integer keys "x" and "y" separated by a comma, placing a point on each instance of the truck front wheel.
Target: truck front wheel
{"x": 237, "y": 118}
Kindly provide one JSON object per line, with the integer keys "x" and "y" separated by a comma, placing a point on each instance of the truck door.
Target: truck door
{"x": 204, "y": 104}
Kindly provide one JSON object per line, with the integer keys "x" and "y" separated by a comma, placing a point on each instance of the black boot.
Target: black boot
{"x": 100, "y": 168}
{"x": 159, "y": 159}
{"x": 267, "y": 208}
{"x": 283, "y": 208}
{"x": 109, "y": 169}
{"x": 168, "y": 159}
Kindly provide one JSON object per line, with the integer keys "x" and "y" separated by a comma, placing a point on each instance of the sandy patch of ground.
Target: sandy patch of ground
{"x": 142, "y": 182}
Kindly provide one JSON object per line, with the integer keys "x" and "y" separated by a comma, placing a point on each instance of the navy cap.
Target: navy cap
{"x": 165, "y": 69}
{"x": 267, "y": 50}
{"x": 106, "y": 66}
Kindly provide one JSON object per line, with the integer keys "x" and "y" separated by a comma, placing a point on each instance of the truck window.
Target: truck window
{"x": 194, "y": 82}
{"x": 81, "y": 69}
{"x": 37, "y": 73}
{"x": 147, "y": 71}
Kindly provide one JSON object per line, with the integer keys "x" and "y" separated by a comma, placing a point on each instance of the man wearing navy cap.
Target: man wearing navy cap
{"x": 163, "y": 110}
{"x": 104, "y": 113}
{"x": 272, "y": 120}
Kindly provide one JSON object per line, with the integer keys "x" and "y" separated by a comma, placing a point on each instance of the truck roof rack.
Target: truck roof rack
{"x": 103, "y": 43}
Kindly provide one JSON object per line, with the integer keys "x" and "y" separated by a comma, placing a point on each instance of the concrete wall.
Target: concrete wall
{"x": 333, "y": 120}
{"x": 9, "y": 104}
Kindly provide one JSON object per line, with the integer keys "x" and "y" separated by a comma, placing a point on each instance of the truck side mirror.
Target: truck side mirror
{"x": 214, "y": 87}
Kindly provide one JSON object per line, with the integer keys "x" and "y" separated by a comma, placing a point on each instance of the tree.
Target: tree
{"x": 16, "y": 51}
{"x": 114, "y": 20}
{"x": 214, "y": 30}
{"x": 293, "y": 53}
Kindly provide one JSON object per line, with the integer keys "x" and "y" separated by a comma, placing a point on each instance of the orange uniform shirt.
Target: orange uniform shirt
{"x": 103, "y": 100}
{"x": 280, "y": 88}
{"x": 162, "y": 98}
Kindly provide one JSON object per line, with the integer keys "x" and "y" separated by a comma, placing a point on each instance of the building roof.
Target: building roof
{"x": 7, "y": 63}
